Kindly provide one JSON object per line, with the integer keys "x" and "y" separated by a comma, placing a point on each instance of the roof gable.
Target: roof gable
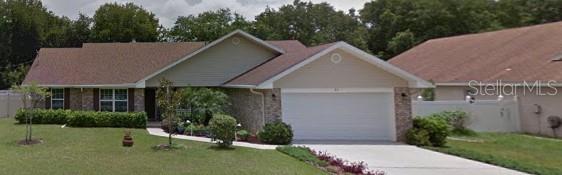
{"x": 141, "y": 83}
{"x": 264, "y": 76}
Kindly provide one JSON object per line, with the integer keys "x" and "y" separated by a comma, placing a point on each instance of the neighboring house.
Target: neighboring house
{"x": 332, "y": 91}
{"x": 512, "y": 56}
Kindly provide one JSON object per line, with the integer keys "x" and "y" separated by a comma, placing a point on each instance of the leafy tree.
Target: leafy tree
{"x": 114, "y": 22}
{"x": 31, "y": 95}
{"x": 311, "y": 24}
{"x": 401, "y": 42}
{"x": 168, "y": 101}
{"x": 424, "y": 19}
{"x": 204, "y": 103}
{"x": 15, "y": 75}
{"x": 207, "y": 26}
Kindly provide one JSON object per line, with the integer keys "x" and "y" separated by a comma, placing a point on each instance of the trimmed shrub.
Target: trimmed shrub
{"x": 278, "y": 133}
{"x": 436, "y": 128}
{"x": 457, "y": 120}
{"x": 84, "y": 118}
{"x": 417, "y": 137}
{"x": 43, "y": 116}
{"x": 223, "y": 129}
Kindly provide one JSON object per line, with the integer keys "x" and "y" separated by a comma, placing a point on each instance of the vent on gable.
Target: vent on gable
{"x": 557, "y": 57}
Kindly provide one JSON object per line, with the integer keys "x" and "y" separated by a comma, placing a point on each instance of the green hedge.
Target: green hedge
{"x": 84, "y": 118}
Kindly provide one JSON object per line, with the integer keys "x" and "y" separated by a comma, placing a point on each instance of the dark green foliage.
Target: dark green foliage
{"x": 312, "y": 24}
{"x": 114, "y": 22}
{"x": 243, "y": 135}
{"x": 84, "y": 118}
{"x": 436, "y": 128}
{"x": 223, "y": 129}
{"x": 301, "y": 153}
{"x": 278, "y": 133}
{"x": 455, "y": 119}
{"x": 428, "y": 94}
{"x": 204, "y": 103}
{"x": 207, "y": 26}
{"x": 418, "y": 137}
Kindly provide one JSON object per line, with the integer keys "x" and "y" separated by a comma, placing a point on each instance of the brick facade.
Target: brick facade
{"x": 88, "y": 99}
{"x": 75, "y": 97}
{"x": 247, "y": 107}
{"x": 402, "y": 112}
{"x": 139, "y": 100}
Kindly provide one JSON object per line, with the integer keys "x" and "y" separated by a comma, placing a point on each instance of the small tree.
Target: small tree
{"x": 31, "y": 94}
{"x": 168, "y": 101}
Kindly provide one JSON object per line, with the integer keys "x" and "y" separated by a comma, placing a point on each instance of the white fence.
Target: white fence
{"x": 484, "y": 115}
{"x": 10, "y": 102}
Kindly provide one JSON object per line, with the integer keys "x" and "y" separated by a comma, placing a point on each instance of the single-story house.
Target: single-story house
{"x": 514, "y": 59}
{"x": 332, "y": 91}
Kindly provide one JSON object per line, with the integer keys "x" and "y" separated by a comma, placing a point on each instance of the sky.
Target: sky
{"x": 168, "y": 10}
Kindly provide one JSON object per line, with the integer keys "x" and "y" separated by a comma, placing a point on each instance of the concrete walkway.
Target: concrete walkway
{"x": 160, "y": 132}
{"x": 395, "y": 159}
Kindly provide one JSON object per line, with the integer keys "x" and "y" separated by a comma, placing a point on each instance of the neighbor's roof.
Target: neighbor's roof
{"x": 511, "y": 55}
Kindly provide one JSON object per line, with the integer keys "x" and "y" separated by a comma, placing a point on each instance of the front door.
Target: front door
{"x": 150, "y": 103}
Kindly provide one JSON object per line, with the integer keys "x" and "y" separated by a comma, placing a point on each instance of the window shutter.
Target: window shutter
{"x": 48, "y": 101}
{"x": 96, "y": 99}
{"x": 66, "y": 98}
{"x": 131, "y": 99}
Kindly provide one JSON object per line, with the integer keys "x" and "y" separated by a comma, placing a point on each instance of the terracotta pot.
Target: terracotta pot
{"x": 128, "y": 141}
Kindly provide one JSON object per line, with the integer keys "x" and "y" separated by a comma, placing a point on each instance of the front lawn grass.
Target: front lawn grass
{"x": 99, "y": 151}
{"x": 525, "y": 153}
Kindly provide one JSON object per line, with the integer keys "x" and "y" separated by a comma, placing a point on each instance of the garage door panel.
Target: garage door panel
{"x": 339, "y": 116}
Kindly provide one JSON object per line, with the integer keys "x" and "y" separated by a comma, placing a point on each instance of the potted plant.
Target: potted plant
{"x": 243, "y": 135}
{"x": 127, "y": 139}
{"x": 181, "y": 127}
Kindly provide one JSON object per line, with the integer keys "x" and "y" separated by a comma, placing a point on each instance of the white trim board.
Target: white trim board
{"x": 413, "y": 81}
{"x": 248, "y": 36}
{"x": 337, "y": 90}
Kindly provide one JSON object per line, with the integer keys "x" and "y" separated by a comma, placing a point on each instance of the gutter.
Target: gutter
{"x": 262, "y": 96}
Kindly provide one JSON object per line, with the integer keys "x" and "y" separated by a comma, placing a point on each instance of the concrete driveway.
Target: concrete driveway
{"x": 397, "y": 159}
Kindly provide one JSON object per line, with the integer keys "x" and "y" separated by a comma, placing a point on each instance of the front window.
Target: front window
{"x": 113, "y": 100}
{"x": 57, "y": 98}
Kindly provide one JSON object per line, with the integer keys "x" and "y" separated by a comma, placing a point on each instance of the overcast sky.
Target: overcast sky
{"x": 168, "y": 10}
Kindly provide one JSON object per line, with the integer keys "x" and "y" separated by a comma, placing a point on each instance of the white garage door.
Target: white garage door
{"x": 340, "y": 116}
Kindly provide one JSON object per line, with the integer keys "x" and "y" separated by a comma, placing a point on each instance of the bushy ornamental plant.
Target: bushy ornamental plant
{"x": 223, "y": 128}
{"x": 278, "y": 133}
{"x": 436, "y": 128}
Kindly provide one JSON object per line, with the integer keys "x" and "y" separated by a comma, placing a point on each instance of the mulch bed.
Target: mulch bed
{"x": 30, "y": 142}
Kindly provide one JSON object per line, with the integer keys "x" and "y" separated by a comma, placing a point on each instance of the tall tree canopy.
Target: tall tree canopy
{"x": 207, "y": 26}
{"x": 115, "y": 22}
{"x": 310, "y": 23}
{"x": 397, "y": 25}
{"x": 26, "y": 26}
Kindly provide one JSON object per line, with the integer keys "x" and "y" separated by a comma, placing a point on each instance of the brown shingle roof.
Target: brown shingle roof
{"x": 127, "y": 63}
{"x": 511, "y": 55}
{"x": 104, "y": 63}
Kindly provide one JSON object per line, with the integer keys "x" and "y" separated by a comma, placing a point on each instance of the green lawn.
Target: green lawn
{"x": 99, "y": 151}
{"x": 516, "y": 151}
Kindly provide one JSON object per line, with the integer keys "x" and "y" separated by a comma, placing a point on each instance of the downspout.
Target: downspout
{"x": 262, "y": 105}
